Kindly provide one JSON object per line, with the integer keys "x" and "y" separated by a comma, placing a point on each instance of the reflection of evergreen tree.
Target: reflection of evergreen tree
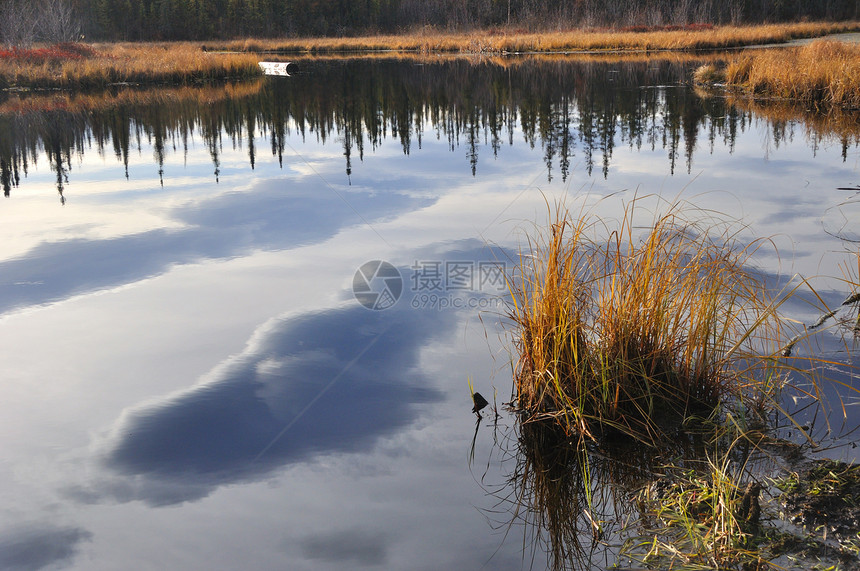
{"x": 570, "y": 110}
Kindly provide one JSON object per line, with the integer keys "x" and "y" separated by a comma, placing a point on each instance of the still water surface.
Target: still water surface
{"x": 190, "y": 381}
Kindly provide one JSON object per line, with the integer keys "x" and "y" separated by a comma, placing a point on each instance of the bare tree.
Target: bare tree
{"x": 59, "y": 21}
{"x": 23, "y": 22}
{"x": 18, "y": 22}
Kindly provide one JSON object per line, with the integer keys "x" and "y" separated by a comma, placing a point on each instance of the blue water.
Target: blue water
{"x": 190, "y": 381}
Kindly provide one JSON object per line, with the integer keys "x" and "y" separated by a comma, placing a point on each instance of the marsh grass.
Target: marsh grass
{"x": 653, "y": 330}
{"x": 708, "y": 74}
{"x": 429, "y": 40}
{"x": 507, "y": 62}
{"x": 821, "y": 74}
{"x": 706, "y": 520}
{"x": 106, "y": 64}
{"x": 101, "y": 101}
{"x": 642, "y": 333}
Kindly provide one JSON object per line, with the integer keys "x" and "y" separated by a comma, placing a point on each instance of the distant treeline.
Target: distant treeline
{"x": 226, "y": 19}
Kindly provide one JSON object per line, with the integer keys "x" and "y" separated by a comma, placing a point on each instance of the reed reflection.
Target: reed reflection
{"x": 608, "y": 350}
{"x": 575, "y": 502}
{"x": 578, "y": 111}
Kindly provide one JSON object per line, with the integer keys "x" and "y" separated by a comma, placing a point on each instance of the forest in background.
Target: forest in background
{"x": 23, "y": 22}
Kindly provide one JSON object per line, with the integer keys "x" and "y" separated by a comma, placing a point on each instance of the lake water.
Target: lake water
{"x": 204, "y": 363}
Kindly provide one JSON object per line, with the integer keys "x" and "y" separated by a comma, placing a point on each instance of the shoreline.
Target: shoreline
{"x": 515, "y": 42}
{"x": 84, "y": 67}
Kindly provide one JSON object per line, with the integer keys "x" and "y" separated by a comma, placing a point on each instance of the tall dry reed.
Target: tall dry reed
{"x": 822, "y": 74}
{"x": 637, "y": 333}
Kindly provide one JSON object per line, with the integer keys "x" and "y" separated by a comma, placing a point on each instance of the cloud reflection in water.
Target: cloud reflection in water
{"x": 39, "y": 546}
{"x": 231, "y": 224}
{"x": 270, "y": 406}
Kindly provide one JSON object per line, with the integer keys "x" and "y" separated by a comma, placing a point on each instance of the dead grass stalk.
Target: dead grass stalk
{"x": 821, "y": 74}
{"x": 638, "y": 333}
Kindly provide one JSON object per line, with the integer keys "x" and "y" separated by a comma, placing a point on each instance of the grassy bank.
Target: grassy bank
{"x": 72, "y": 66}
{"x": 432, "y": 41}
{"x": 821, "y": 74}
{"x": 75, "y": 66}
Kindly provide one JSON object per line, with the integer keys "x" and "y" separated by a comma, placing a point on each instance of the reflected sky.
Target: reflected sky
{"x": 39, "y": 546}
{"x": 268, "y": 216}
{"x": 333, "y": 381}
{"x": 189, "y": 382}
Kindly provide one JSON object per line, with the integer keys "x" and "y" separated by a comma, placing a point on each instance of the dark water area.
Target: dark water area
{"x": 208, "y": 366}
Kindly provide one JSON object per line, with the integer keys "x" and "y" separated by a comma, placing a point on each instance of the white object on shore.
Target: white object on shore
{"x": 276, "y": 67}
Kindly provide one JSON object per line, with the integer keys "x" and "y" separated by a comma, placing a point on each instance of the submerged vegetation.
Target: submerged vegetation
{"x": 708, "y": 520}
{"x": 725, "y": 500}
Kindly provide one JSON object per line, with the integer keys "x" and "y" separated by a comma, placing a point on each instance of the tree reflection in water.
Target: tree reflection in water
{"x": 570, "y": 107}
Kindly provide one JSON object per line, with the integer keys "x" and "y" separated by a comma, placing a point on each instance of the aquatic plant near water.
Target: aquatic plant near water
{"x": 641, "y": 333}
{"x": 708, "y": 74}
{"x": 823, "y": 74}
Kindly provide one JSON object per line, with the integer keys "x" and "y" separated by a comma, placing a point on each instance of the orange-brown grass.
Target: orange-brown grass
{"x": 620, "y": 330}
{"x": 509, "y": 61}
{"x": 822, "y": 74}
{"x": 708, "y": 74}
{"x": 432, "y": 41}
{"x": 176, "y": 63}
{"x": 39, "y": 102}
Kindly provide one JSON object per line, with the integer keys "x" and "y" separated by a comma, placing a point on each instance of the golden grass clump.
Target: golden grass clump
{"x": 822, "y": 73}
{"x": 638, "y": 334}
{"x": 708, "y": 74}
